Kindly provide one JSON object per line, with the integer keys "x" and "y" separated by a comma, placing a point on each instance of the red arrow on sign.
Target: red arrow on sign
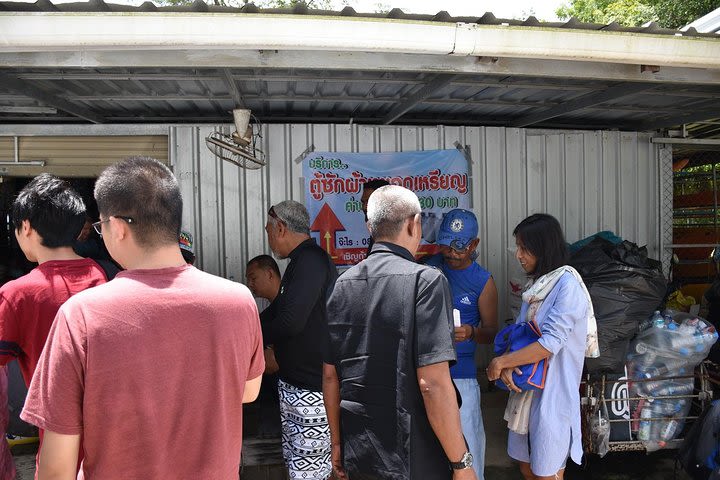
{"x": 328, "y": 224}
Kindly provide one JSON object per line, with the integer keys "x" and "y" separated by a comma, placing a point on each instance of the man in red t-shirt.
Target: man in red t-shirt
{"x": 48, "y": 215}
{"x": 152, "y": 368}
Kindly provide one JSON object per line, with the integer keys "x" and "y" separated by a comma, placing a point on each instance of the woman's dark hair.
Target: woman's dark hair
{"x": 542, "y": 236}
{"x": 53, "y": 208}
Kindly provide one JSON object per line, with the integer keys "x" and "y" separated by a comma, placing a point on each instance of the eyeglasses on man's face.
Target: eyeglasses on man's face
{"x": 98, "y": 225}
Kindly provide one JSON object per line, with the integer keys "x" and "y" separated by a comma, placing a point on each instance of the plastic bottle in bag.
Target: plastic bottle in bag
{"x": 665, "y": 368}
{"x": 669, "y": 429}
{"x": 708, "y": 337}
{"x": 670, "y": 388}
{"x": 655, "y": 318}
{"x": 645, "y": 424}
{"x": 686, "y": 344}
{"x": 689, "y": 326}
{"x": 670, "y": 408}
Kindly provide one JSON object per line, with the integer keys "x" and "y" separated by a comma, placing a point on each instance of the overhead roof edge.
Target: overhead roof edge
{"x": 111, "y": 31}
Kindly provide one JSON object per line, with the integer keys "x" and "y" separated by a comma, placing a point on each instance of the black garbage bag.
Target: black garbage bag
{"x": 626, "y": 287}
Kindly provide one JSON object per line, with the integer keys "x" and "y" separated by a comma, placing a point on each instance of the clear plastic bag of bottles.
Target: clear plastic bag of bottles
{"x": 661, "y": 363}
{"x": 600, "y": 431}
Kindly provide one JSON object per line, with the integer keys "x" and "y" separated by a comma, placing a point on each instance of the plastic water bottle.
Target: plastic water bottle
{"x": 669, "y": 389}
{"x": 689, "y": 326}
{"x": 708, "y": 337}
{"x": 669, "y": 408}
{"x": 650, "y": 321}
{"x": 658, "y": 321}
{"x": 686, "y": 344}
{"x": 644, "y": 430}
{"x": 667, "y": 368}
{"x": 667, "y": 432}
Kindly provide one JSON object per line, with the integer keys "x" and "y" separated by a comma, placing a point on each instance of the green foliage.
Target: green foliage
{"x": 668, "y": 13}
{"x": 677, "y": 13}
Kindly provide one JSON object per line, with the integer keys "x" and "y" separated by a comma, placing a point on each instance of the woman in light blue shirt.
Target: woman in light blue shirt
{"x": 549, "y": 431}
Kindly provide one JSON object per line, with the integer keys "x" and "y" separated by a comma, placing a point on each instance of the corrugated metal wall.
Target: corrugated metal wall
{"x": 591, "y": 181}
{"x": 77, "y": 156}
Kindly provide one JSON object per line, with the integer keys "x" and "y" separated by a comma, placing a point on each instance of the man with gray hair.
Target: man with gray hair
{"x": 391, "y": 404}
{"x": 295, "y": 323}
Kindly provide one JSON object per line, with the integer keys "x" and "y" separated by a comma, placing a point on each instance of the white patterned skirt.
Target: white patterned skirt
{"x": 305, "y": 432}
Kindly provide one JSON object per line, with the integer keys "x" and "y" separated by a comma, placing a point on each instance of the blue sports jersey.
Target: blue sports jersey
{"x": 466, "y": 286}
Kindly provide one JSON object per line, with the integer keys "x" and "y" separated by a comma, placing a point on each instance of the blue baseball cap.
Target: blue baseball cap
{"x": 459, "y": 228}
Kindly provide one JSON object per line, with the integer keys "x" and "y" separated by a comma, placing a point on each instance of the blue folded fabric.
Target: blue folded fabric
{"x": 512, "y": 338}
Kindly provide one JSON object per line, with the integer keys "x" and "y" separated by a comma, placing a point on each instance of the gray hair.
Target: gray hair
{"x": 388, "y": 208}
{"x": 294, "y": 215}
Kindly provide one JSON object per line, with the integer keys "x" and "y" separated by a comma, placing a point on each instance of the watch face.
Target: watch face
{"x": 465, "y": 462}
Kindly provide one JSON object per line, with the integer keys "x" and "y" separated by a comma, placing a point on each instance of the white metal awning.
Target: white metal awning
{"x": 107, "y": 63}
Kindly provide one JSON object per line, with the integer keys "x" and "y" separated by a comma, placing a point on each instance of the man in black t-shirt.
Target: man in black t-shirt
{"x": 390, "y": 401}
{"x": 295, "y": 323}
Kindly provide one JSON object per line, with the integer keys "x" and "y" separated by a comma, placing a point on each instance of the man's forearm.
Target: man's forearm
{"x": 331, "y": 398}
{"x": 442, "y": 409}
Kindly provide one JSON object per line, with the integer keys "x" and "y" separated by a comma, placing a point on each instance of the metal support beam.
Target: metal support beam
{"x": 666, "y": 122}
{"x": 665, "y": 110}
{"x": 365, "y": 61}
{"x": 687, "y": 141}
{"x": 581, "y": 102}
{"x": 30, "y": 110}
{"x": 233, "y": 88}
{"x": 27, "y": 89}
{"x": 406, "y": 105}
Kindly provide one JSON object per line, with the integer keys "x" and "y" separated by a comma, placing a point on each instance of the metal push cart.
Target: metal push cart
{"x": 595, "y": 392}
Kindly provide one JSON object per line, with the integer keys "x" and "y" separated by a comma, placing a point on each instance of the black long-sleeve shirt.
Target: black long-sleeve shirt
{"x": 296, "y": 321}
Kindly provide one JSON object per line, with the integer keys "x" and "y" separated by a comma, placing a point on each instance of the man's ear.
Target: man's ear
{"x": 25, "y": 228}
{"x": 269, "y": 273}
{"x": 120, "y": 228}
{"x": 414, "y": 227}
{"x": 281, "y": 229}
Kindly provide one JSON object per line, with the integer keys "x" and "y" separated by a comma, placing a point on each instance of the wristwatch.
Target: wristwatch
{"x": 465, "y": 462}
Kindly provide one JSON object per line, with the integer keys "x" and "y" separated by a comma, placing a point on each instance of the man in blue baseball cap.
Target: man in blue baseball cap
{"x": 475, "y": 313}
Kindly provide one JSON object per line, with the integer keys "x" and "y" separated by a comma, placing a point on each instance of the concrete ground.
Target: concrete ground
{"x": 615, "y": 466}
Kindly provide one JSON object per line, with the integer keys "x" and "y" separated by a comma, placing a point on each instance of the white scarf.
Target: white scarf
{"x": 517, "y": 411}
{"x": 538, "y": 291}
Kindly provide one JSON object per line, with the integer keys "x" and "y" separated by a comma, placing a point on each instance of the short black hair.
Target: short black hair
{"x": 375, "y": 184}
{"x": 53, "y": 208}
{"x": 266, "y": 262}
{"x": 542, "y": 235}
{"x": 147, "y": 191}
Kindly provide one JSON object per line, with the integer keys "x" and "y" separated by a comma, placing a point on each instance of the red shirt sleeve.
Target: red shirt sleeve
{"x": 9, "y": 332}
{"x": 257, "y": 361}
{"x": 54, "y": 400}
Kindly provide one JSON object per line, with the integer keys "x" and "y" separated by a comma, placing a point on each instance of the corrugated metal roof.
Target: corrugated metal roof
{"x": 170, "y": 95}
{"x": 513, "y": 93}
{"x": 199, "y": 6}
{"x": 709, "y": 23}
